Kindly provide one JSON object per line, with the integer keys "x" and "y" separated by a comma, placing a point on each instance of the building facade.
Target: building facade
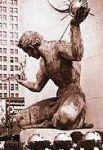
{"x": 9, "y": 54}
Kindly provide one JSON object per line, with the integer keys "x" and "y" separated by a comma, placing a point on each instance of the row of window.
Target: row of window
{"x": 11, "y": 2}
{"x": 3, "y": 50}
{"x": 12, "y": 59}
{"x": 14, "y": 35}
{"x": 12, "y": 51}
{"x": 3, "y": 2}
{"x": 3, "y": 25}
{"x": 11, "y": 26}
{"x": 3, "y": 17}
{"x": 4, "y": 42}
{"x": 3, "y": 58}
{"x": 12, "y": 42}
{"x": 3, "y": 67}
{"x": 3, "y": 9}
{"x": 12, "y": 18}
{"x": 4, "y": 86}
{"x": 5, "y": 76}
{"x": 3, "y": 34}
{"x": 11, "y": 9}
{"x": 12, "y": 68}
{"x": 5, "y": 95}
{"x": 14, "y": 2}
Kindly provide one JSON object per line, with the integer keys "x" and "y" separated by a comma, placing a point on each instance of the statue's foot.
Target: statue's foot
{"x": 88, "y": 125}
{"x": 81, "y": 15}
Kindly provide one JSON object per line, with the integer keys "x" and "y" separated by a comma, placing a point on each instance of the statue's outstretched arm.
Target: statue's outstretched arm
{"x": 41, "y": 79}
{"x": 74, "y": 50}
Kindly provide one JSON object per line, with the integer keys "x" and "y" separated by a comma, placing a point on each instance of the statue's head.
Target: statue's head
{"x": 29, "y": 42}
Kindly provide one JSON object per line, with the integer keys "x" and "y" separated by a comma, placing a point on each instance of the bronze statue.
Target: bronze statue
{"x": 60, "y": 62}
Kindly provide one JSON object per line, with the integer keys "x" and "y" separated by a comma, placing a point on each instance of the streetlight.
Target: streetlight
{"x": 8, "y": 117}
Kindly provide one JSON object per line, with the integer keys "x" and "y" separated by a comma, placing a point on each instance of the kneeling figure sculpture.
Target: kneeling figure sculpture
{"x": 60, "y": 62}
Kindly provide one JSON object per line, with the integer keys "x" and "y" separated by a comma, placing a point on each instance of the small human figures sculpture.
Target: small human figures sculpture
{"x": 22, "y": 65}
{"x": 60, "y": 62}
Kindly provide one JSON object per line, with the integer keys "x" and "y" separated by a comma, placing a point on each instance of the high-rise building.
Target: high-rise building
{"x": 9, "y": 54}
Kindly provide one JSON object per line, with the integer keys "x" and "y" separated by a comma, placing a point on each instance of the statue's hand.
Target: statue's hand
{"x": 18, "y": 79}
{"x": 81, "y": 15}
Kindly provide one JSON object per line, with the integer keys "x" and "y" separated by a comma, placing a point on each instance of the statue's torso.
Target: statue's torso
{"x": 60, "y": 70}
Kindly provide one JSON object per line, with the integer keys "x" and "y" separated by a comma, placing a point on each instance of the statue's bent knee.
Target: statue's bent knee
{"x": 65, "y": 117}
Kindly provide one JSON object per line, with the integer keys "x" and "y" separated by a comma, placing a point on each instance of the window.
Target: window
{"x": 16, "y": 51}
{"x": 15, "y": 10}
{"x": 16, "y": 68}
{"x": 0, "y": 58}
{"x": 4, "y": 58}
{"x": 4, "y": 17}
{"x": 16, "y": 42}
{"x": 0, "y": 8}
{"x": 0, "y": 95}
{"x": 4, "y": 26}
{"x": 11, "y": 26}
{"x": 15, "y": 18}
{"x": 4, "y": 9}
{"x": 0, "y": 50}
{"x": 11, "y": 68}
{"x": 5, "y": 76}
{"x": 0, "y": 86}
{"x": 5, "y": 95}
{"x": 11, "y": 35}
{"x": 11, "y": 59}
{"x": 12, "y": 94}
{"x": 12, "y": 86}
{"x": 11, "y": 18}
{"x": 4, "y": 50}
{"x": 0, "y": 17}
{"x": 16, "y": 86}
{"x": 16, "y": 35}
{"x": 0, "y": 25}
{"x": 11, "y": 10}
{"x": 4, "y": 1}
{"x": 15, "y": 2}
{"x": 4, "y": 34}
{"x": 5, "y": 86}
{"x": 0, "y": 34}
{"x": 1, "y": 76}
{"x": 11, "y": 2}
{"x": 16, "y": 95}
{"x": 0, "y": 42}
{"x": 4, "y": 42}
{"x": 0, "y": 67}
{"x": 11, "y": 51}
{"x": 5, "y": 67}
{"x": 15, "y": 26}
{"x": 16, "y": 59}
{"x": 11, "y": 75}
{"x": 11, "y": 42}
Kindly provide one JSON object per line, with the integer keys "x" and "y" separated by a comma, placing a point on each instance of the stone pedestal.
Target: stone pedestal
{"x": 68, "y": 139}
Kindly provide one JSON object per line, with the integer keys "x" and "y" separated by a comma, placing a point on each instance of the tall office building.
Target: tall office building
{"x": 9, "y": 54}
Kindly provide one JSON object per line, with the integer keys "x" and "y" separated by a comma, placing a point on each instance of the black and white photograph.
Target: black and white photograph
{"x": 51, "y": 82}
